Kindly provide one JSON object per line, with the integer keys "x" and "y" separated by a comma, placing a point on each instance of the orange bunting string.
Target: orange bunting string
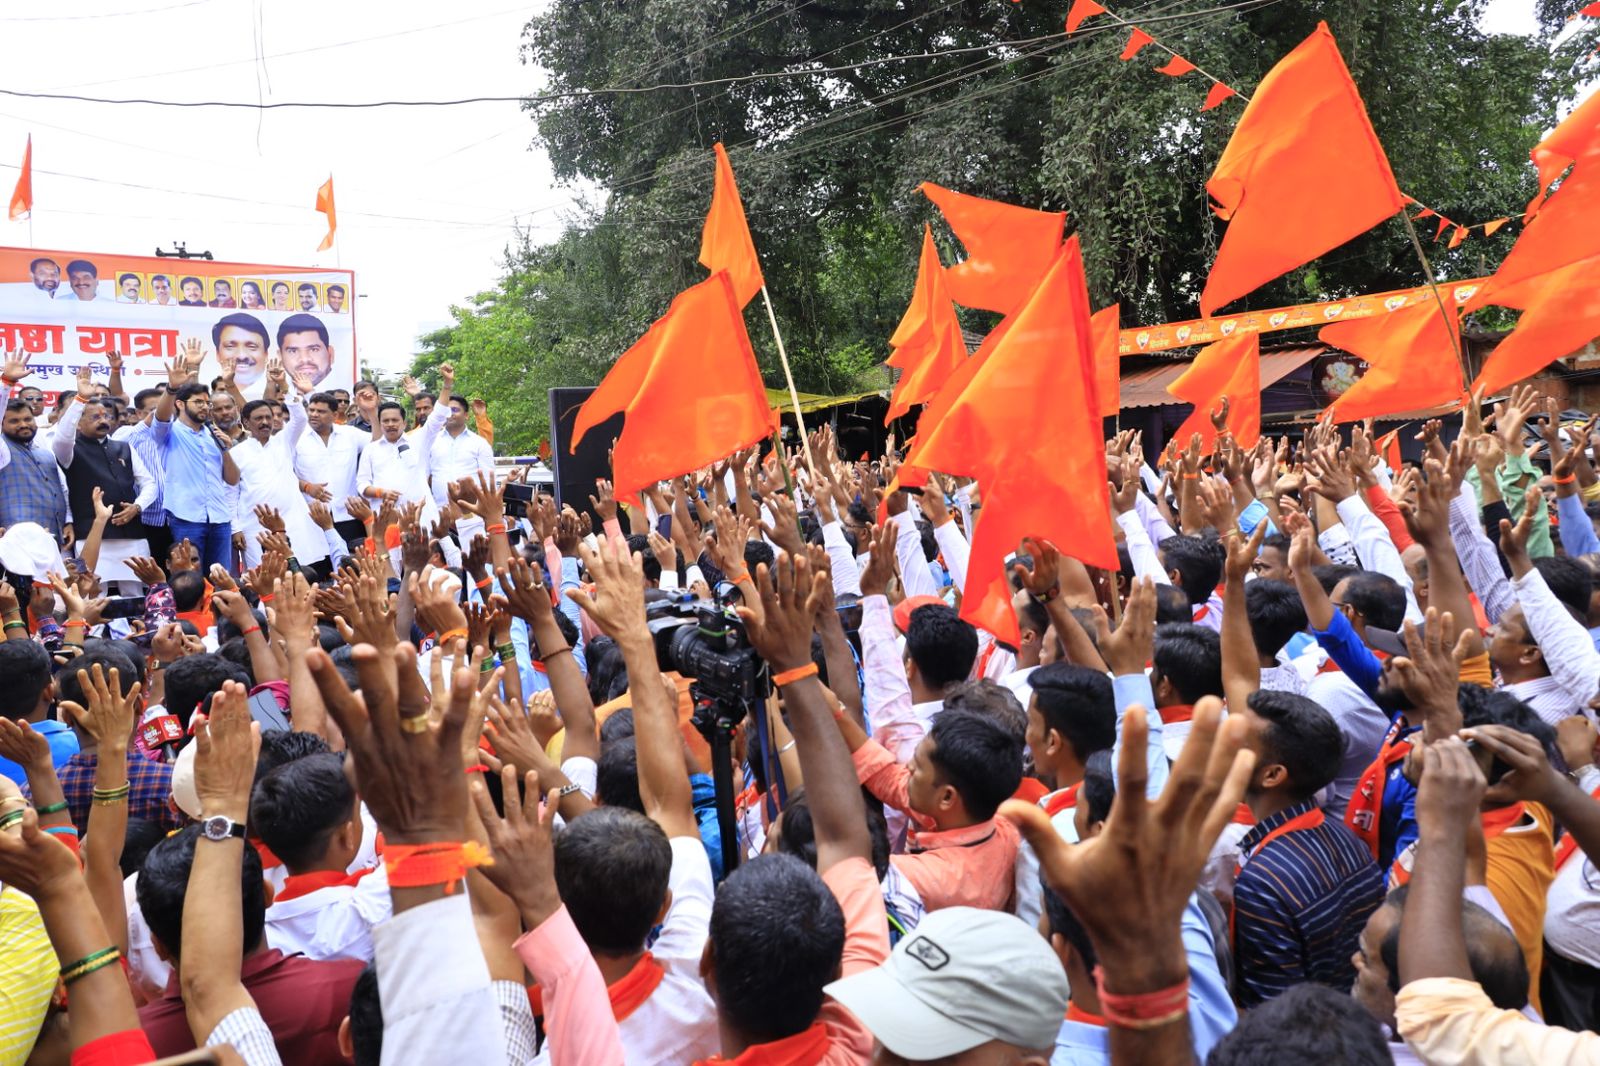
{"x": 1444, "y": 224}
{"x": 1458, "y": 236}
{"x": 1136, "y": 41}
{"x": 1426, "y": 212}
{"x": 1218, "y": 93}
{"x": 1176, "y": 67}
{"x": 1489, "y": 228}
{"x": 1082, "y": 9}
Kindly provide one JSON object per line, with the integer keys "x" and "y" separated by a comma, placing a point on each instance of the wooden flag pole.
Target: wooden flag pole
{"x": 1427, "y": 273}
{"x": 788, "y": 377}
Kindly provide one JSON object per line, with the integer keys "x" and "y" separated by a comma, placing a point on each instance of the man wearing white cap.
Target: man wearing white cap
{"x": 967, "y": 986}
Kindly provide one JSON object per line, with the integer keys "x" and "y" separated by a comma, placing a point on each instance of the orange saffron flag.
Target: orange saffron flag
{"x": 1412, "y": 358}
{"x": 725, "y": 242}
{"x": 1562, "y": 233}
{"x": 1027, "y": 426}
{"x": 1009, "y": 248}
{"x": 1302, "y": 174}
{"x": 690, "y": 387}
{"x": 1389, "y": 447}
{"x": 928, "y": 345}
{"x": 1136, "y": 42}
{"x": 1231, "y": 368}
{"x": 1561, "y": 314}
{"x": 1080, "y": 10}
{"x": 1216, "y": 94}
{"x": 1175, "y": 67}
{"x": 1491, "y": 228}
{"x": 22, "y": 195}
{"x": 325, "y": 205}
{"x": 1578, "y": 137}
{"x": 1104, "y": 327}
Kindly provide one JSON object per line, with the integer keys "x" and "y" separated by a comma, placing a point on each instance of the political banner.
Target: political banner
{"x": 68, "y": 310}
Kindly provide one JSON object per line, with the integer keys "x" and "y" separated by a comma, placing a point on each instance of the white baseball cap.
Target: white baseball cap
{"x": 961, "y": 978}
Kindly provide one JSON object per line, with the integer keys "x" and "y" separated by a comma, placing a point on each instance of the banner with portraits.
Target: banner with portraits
{"x": 68, "y": 310}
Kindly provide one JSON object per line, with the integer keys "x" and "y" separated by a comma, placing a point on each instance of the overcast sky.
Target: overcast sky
{"x": 426, "y": 196}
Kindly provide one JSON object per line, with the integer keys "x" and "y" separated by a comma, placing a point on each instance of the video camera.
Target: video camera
{"x": 706, "y": 640}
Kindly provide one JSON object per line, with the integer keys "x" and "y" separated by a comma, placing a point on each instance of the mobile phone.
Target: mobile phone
{"x": 123, "y": 607}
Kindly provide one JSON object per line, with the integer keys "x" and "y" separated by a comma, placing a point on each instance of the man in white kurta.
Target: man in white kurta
{"x": 266, "y": 477}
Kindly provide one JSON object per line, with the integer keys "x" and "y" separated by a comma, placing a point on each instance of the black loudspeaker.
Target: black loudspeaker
{"x": 575, "y": 473}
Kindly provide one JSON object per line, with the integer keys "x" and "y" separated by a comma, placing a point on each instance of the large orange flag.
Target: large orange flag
{"x": 725, "y": 242}
{"x": 22, "y": 196}
{"x": 1578, "y": 137}
{"x": 1302, "y": 174}
{"x": 1104, "y": 327}
{"x": 1412, "y": 361}
{"x": 1565, "y": 231}
{"x": 690, "y": 388}
{"x": 1027, "y": 426}
{"x": 325, "y": 205}
{"x": 928, "y": 345}
{"x": 1230, "y": 368}
{"x": 1009, "y": 248}
{"x": 1561, "y": 314}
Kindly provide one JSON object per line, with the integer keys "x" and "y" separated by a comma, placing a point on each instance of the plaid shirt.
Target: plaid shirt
{"x": 149, "y": 797}
{"x": 143, "y": 442}
{"x": 30, "y": 488}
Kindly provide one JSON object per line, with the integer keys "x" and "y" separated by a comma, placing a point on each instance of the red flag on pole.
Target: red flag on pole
{"x": 725, "y": 243}
{"x": 325, "y": 205}
{"x": 1302, "y": 174}
{"x": 928, "y": 344}
{"x": 22, "y": 196}
{"x": 1009, "y": 248}
{"x": 1412, "y": 358}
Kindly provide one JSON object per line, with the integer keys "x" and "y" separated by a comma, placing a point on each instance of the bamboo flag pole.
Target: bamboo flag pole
{"x": 1427, "y": 272}
{"x": 794, "y": 395}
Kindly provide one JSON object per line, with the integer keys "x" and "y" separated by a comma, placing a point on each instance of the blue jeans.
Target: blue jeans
{"x": 214, "y": 541}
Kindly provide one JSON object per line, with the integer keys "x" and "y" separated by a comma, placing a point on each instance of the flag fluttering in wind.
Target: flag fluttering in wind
{"x": 1302, "y": 174}
{"x": 1104, "y": 327}
{"x": 1027, "y": 426}
{"x": 725, "y": 243}
{"x": 325, "y": 205}
{"x": 1231, "y": 368}
{"x": 22, "y": 195}
{"x": 690, "y": 387}
{"x": 1412, "y": 361}
{"x": 1009, "y": 248}
{"x": 927, "y": 344}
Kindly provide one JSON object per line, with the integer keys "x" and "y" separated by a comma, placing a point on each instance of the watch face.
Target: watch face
{"x": 217, "y": 827}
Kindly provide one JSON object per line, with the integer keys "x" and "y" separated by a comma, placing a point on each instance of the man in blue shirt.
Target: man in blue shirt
{"x": 26, "y": 667}
{"x": 198, "y": 465}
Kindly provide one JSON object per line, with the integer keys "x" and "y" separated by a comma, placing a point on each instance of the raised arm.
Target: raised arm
{"x": 1241, "y": 659}
{"x": 529, "y": 599}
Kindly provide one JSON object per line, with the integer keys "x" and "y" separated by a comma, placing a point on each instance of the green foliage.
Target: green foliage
{"x": 828, "y": 164}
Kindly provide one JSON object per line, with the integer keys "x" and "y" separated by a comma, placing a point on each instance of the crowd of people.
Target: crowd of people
{"x": 315, "y": 747}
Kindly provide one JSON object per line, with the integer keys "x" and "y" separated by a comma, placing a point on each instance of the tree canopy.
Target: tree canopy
{"x": 985, "y": 97}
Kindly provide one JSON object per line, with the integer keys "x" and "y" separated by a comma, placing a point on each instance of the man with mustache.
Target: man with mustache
{"x": 303, "y": 346}
{"x": 30, "y": 482}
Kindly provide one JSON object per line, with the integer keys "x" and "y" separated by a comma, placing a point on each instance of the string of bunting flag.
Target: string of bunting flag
{"x": 1179, "y": 65}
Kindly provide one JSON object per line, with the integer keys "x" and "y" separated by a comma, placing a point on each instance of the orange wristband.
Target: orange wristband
{"x": 1569, "y": 479}
{"x": 423, "y": 865}
{"x": 498, "y": 529}
{"x": 451, "y": 634}
{"x": 789, "y": 677}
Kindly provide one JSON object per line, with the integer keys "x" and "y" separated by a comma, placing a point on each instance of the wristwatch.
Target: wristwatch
{"x": 220, "y": 827}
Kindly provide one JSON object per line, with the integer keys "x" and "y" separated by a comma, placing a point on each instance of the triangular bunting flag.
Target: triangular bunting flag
{"x": 1136, "y": 41}
{"x": 1490, "y": 228}
{"x": 725, "y": 242}
{"x": 1175, "y": 67}
{"x": 1217, "y": 93}
{"x": 1082, "y": 9}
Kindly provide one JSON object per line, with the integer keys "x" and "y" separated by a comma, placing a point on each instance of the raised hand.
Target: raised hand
{"x": 270, "y": 519}
{"x": 618, "y": 601}
{"x": 1131, "y": 645}
{"x": 604, "y": 504}
{"x": 781, "y": 629}
{"x": 785, "y": 528}
{"x": 526, "y": 594}
{"x": 110, "y": 715}
{"x": 882, "y": 561}
{"x": 15, "y": 367}
{"x": 435, "y": 602}
{"x": 524, "y": 865}
{"x": 1042, "y": 579}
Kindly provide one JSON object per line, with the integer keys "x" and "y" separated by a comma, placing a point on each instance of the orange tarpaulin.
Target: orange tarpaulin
{"x": 1413, "y": 362}
{"x": 690, "y": 387}
{"x": 1230, "y": 368}
{"x": 1027, "y": 426}
{"x": 725, "y": 242}
{"x": 1008, "y": 248}
{"x": 1302, "y": 174}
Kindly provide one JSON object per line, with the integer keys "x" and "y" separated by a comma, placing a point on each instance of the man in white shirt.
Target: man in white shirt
{"x": 266, "y": 478}
{"x": 326, "y": 460}
{"x": 458, "y": 452}
{"x": 397, "y": 469}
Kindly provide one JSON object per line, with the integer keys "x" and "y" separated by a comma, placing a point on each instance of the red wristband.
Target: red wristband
{"x": 1145, "y": 1010}
{"x": 267, "y": 598}
{"x": 421, "y": 865}
{"x": 247, "y": 632}
{"x": 498, "y": 529}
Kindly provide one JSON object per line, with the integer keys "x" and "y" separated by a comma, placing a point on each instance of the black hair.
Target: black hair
{"x": 160, "y": 277}
{"x": 978, "y": 757}
{"x": 1329, "y": 575}
{"x": 33, "y": 266}
{"x": 194, "y": 677}
{"x": 612, "y": 866}
{"x": 1276, "y": 613}
{"x": 797, "y": 833}
{"x": 1172, "y": 605}
{"x": 18, "y": 405}
{"x": 942, "y": 645}
{"x": 758, "y": 553}
{"x": 1570, "y": 581}
{"x": 142, "y": 835}
{"x": 252, "y": 407}
{"x": 302, "y": 323}
{"x": 280, "y": 747}
{"x": 1379, "y": 597}
{"x": 226, "y": 630}
{"x": 304, "y": 285}
{"x": 327, "y": 399}
{"x": 1280, "y": 541}
{"x": 164, "y": 881}
{"x": 26, "y": 667}
{"x": 1190, "y": 658}
{"x": 776, "y": 938}
{"x": 188, "y": 589}
{"x": 247, "y": 322}
{"x": 1065, "y": 924}
{"x": 124, "y": 277}
{"x": 606, "y": 667}
{"x": 638, "y": 542}
{"x": 337, "y": 288}
{"x": 191, "y": 389}
{"x": 237, "y": 652}
{"x": 1487, "y": 706}
{"x": 390, "y": 405}
{"x": 1033, "y": 615}
{"x": 82, "y": 264}
{"x": 1308, "y": 1023}
{"x": 1300, "y": 736}
{"x": 618, "y": 724}
{"x": 192, "y": 278}
{"x": 1098, "y": 789}
{"x": 992, "y": 700}
{"x": 145, "y": 394}
{"x": 297, "y": 808}
{"x": 1198, "y": 562}
{"x": 617, "y": 775}
{"x": 1502, "y": 973}
{"x": 1076, "y": 702}
{"x": 366, "y": 1018}
{"x": 108, "y": 658}
{"x": 366, "y": 383}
